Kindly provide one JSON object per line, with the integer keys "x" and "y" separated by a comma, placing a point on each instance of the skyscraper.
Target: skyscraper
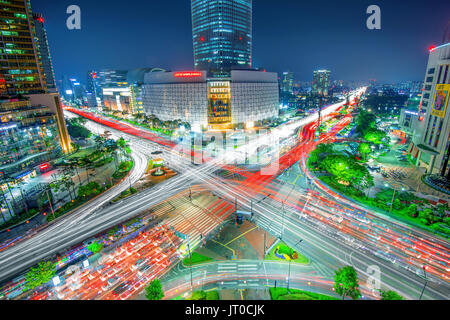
{"x": 44, "y": 52}
{"x": 222, "y": 35}
{"x": 23, "y": 87}
{"x": 287, "y": 84}
{"x": 20, "y": 66}
{"x": 94, "y": 90}
{"x": 431, "y": 140}
{"x": 321, "y": 83}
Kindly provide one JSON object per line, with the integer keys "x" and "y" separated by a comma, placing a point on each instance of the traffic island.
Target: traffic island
{"x": 282, "y": 252}
{"x": 294, "y": 294}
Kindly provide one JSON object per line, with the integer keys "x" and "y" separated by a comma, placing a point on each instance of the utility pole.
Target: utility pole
{"x": 426, "y": 282}
{"x": 50, "y": 203}
{"x": 264, "y": 251}
{"x": 282, "y": 224}
{"x": 289, "y": 276}
{"x": 320, "y": 115}
{"x": 392, "y": 202}
{"x": 190, "y": 260}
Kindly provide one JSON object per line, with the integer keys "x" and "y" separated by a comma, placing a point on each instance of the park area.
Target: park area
{"x": 350, "y": 169}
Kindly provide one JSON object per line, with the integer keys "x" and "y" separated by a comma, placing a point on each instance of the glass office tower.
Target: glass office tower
{"x": 21, "y": 69}
{"x": 44, "y": 52}
{"x": 222, "y": 35}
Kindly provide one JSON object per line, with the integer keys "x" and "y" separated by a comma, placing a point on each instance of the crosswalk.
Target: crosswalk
{"x": 199, "y": 217}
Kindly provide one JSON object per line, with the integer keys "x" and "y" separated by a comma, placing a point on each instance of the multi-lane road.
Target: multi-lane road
{"x": 320, "y": 242}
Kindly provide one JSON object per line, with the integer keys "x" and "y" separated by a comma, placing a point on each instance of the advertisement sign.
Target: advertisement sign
{"x": 440, "y": 100}
{"x": 219, "y": 102}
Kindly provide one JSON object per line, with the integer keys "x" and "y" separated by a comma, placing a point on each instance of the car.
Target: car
{"x": 125, "y": 295}
{"x": 111, "y": 282}
{"x": 143, "y": 269}
{"x": 139, "y": 263}
{"x": 120, "y": 289}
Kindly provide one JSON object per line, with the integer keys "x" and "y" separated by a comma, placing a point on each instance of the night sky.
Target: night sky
{"x": 295, "y": 35}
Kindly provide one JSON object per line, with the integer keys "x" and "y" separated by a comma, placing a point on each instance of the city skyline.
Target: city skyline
{"x": 143, "y": 176}
{"x": 170, "y": 45}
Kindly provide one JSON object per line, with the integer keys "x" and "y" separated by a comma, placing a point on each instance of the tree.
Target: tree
{"x": 375, "y": 136}
{"x": 76, "y": 129}
{"x": 364, "y": 149}
{"x": 95, "y": 247}
{"x": 441, "y": 209}
{"x": 427, "y": 216}
{"x": 365, "y": 121}
{"x": 390, "y": 295}
{"x": 40, "y": 275}
{"x": 346, "y": 283}
{"x": 121, "y": 142}
{"x": 154, "y": 290}
{"x": 411, "y": 210}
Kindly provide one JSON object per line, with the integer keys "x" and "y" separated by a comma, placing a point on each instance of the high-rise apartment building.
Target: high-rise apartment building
{"x": 222, "y": 35}
{"x": 321, "y": 83}
{"x": 32, "y": 126}
{"x": 94, "y": 90}
{"x": 44, "y": 52}
{"x": 431, "y": 140}
{"x": 287, "y": 83}
{"x": 21, "y": 69}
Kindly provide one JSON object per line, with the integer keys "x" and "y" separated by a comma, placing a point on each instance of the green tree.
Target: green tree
{"x": 390, "y": 295}
{"x": 375, "y": 136}
{"x": 154, "y": 290}
{"x": 441, "y": 209}
{"x": 364, "y": 149}
{"x": 427, "y": 216}
{"x": 40, "y": 275}
{"x": 346, "y": 283}
{"x": 365, "y": 121}
{"x": 95, "y": 247}
{"x": 121, "y": 142}
{"x": 411, "y": 210}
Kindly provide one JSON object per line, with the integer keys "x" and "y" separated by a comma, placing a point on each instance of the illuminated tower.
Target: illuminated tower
{"x": 44, "y": 52}
{"x": 222, "y": 35}
{"x": 20, "y": 69}
{"x": 321, "y": 83}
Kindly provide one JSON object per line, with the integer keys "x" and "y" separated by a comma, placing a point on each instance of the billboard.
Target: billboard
{"x": 219, "y": 111}
{"x": 440, "y": 100}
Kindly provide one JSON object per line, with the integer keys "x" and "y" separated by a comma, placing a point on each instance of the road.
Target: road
{"x": 247, "y": 274}
{"x": 271, "y": 213}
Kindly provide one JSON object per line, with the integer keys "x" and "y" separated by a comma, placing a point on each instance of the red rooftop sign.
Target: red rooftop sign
{"x": 188, "y": 74}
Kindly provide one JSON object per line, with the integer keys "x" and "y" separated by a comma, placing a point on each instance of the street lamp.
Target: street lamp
{"x": 426, "y": 281}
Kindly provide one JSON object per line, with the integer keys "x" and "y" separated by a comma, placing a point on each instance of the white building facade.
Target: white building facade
{"x": 218, "y": 103}
{"x": 431, "y": 139}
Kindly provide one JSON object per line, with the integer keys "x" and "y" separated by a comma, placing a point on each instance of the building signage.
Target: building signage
{"x": 440, "y": 100}
{"x": 188, "y": 74}
{"x": 219, "y": 111}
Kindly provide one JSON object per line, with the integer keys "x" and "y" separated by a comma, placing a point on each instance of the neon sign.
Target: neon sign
{"x": 188, "y": 74}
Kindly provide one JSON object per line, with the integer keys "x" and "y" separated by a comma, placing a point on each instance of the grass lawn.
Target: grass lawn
{"x": 294, "y": 294}
{"x": 196, "y": 259}
{"x": 82, "y": 153}
{"x": 125, "y": 194}
{"x": 202, "y": 295}
{"x": 287, "y": 250}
